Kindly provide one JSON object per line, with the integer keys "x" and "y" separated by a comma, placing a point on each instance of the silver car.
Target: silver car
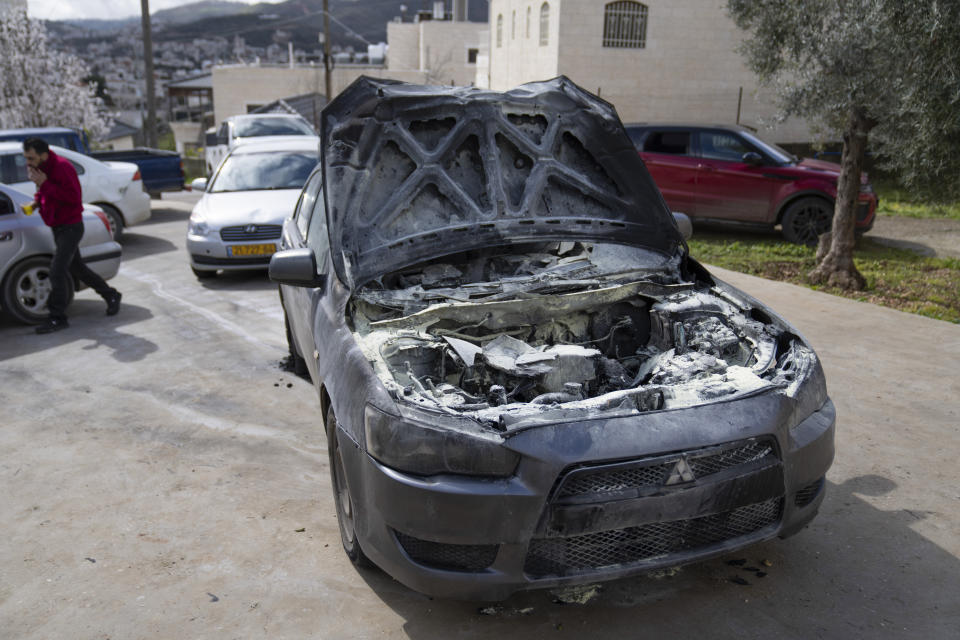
{"x": 236, "y": 225}
{"x": 26, "y": 247}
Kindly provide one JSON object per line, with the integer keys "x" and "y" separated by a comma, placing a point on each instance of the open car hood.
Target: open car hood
{"x": 413, "y": 172}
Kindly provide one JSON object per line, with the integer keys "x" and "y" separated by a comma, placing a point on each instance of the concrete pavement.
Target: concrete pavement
{"x": 163, "y": 478}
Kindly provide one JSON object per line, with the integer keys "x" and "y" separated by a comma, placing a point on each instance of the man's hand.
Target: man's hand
{"x": 38, "y": 177}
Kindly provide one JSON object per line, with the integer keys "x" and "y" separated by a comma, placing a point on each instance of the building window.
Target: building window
{"x": 625, "y": 24}
{"x": 472, "y": 56}
{"x": 513, "y": 25}
{"x": 544, "y": 24}
{"x": 500, "y": 30}
{"x": 527, "y": 35}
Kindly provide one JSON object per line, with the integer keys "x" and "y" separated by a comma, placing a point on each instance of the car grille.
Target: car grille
{"x": 231, "y": 262}
{"x": 628, "y": 479}
{"x": 619, "y": 547}
{"x": 250, "y": 232}
{"x": 451, "y": 557}
{"x": 806, "y": 495}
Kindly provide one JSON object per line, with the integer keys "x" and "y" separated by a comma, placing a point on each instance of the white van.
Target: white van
{"x": 256, "y": 126}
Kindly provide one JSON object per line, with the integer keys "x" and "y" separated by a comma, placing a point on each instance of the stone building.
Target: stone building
{"x": 659, "y": 60}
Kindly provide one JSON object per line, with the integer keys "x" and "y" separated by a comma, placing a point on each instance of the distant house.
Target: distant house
{"x": 121, "y": 136}
{"x": 191, "y": 109}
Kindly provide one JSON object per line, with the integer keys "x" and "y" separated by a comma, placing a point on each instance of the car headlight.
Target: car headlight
{"x": 421, "y": 448}
{"x": 198, "y": 227}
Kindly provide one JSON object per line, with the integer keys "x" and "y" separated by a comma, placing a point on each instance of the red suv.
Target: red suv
{"x": 727, "y": 173}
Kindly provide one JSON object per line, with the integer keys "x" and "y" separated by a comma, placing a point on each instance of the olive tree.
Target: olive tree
{"x": 40, "y": 87}
{"x": 885, "y": 72}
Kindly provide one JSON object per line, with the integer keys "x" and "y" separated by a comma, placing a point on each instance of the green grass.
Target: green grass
{"x": 896, "y": 278}
{"x": 896, "y": 201}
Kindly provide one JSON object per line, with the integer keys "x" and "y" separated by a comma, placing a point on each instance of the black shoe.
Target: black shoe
{"x": 113, "y": 303}
{"x": 52, "y": 325}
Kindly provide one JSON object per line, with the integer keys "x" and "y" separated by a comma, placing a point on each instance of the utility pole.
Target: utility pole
{"x": 150, "y": 124}
{"x": 326, "y": 50}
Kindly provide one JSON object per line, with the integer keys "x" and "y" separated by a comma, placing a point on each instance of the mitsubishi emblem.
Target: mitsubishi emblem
{"x": 681, "y": 473}
{"x": 250, "y": 228}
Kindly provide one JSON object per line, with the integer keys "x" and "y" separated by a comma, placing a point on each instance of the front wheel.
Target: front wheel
{"x": 26, "y": 290}
{"x": 202, "y": 274}
{"x": 806, "y": 219}
{"x": 342, "y": 498}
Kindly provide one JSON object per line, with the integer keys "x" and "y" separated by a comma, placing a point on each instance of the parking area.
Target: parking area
{"x": 163, "y": 477}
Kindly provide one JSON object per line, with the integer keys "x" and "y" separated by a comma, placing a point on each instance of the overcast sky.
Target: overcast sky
{"x": 103, "y": 9}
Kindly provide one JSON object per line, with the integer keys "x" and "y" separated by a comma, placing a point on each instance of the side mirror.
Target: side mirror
{"x": 295, "y": 267}
{"x": 198, "y": 184}
{"x": 684, "y": 224}
{"x": 210, "y": 138}
{"x": 752, "y": 158}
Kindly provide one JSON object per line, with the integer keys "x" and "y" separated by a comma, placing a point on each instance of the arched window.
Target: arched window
{"x": 625, "y": 24}
{"x": 499, "y": 30}
{"x": 544, "y": 24}
{"x": 528, "y": 23}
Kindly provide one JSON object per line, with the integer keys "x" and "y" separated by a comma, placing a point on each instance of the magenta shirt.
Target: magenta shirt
{"x": 60, "y": 196}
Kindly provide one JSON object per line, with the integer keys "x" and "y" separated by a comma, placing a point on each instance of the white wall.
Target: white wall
{"x": 689, "y": 70}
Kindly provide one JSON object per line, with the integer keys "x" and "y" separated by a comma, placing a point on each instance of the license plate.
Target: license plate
{"x": 237, "y": 250}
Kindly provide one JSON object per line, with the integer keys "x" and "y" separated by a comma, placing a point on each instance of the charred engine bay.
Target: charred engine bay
{"x": 562, "y": 330}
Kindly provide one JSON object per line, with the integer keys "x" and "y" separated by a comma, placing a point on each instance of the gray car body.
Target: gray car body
{"x": 24, "y": 237}
{"x": 505, "y": 517}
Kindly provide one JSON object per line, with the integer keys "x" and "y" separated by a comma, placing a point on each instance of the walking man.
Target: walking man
{"x": 61, "y": 207}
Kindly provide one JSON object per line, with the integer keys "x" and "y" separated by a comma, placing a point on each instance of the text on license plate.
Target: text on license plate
{"x": 251, "y": 249}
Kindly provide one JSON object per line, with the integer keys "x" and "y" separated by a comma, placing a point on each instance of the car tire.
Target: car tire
{"x": 806, "y": 219}
{"x": 343, "y": 500}
{"x": 203, "y": 274}
{"x": 27, "y": 288}
{"x": 114, "y": 219}
{"x": 297, "y": 363}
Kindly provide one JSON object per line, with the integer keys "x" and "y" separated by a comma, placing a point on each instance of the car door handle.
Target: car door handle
{"x": 706, "y": 167}
{"x": 6, "y": 236}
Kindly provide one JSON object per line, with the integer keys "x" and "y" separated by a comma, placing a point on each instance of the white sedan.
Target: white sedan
{"x": 115, "y": 187}
{"x": 236, "y": 224}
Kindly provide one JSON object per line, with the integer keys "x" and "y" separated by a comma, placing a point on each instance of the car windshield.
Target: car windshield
{"x": 781, "y": 156}
{"x": 255, "y": 128}
{"x": 263, "y": 171}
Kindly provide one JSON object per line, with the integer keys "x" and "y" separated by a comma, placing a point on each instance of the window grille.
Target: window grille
{"x": 500, "y": 30}
{"x": 625, "y": 24}
{"x": 544, "y": 24}
{"x": 528, "y": 23}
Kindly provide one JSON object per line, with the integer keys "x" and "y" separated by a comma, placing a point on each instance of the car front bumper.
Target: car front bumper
{"x": 485, "y": 538}
{"x": 210, "y": 253}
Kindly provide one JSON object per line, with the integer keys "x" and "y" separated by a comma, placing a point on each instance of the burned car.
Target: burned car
{"x": 525, "y": 379}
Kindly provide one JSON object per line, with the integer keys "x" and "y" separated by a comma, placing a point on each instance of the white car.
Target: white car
{"x": 257, "y": 127}
{"x": 115, "y": 187}
{"x": 26, "y": 247}
{"x": 236, "y": 225}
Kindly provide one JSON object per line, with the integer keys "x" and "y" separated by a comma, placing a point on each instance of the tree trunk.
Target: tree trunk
{"x": 835, "y": 252}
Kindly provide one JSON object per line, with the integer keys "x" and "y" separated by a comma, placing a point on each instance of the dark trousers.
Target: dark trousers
{"x": 66, "y": 260}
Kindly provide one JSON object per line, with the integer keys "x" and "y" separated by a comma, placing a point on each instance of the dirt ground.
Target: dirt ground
{"x": 938, "y": 237}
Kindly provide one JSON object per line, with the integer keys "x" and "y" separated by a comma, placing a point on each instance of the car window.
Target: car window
{"x": 79, "y": 167}
{"x": 673, "y": 142}
{"x": 317, "y": 237}
{"x": 223, "y": 133}
{"x": 721, "y": 145}
{"x": 264, "y": 171}
{"x": 13, "y": 168}
{"x": 6, "y": 205}
{"x": 252, "y": 128}
{"x": 305, "y": 205}
{"x": 636, "y": 135}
